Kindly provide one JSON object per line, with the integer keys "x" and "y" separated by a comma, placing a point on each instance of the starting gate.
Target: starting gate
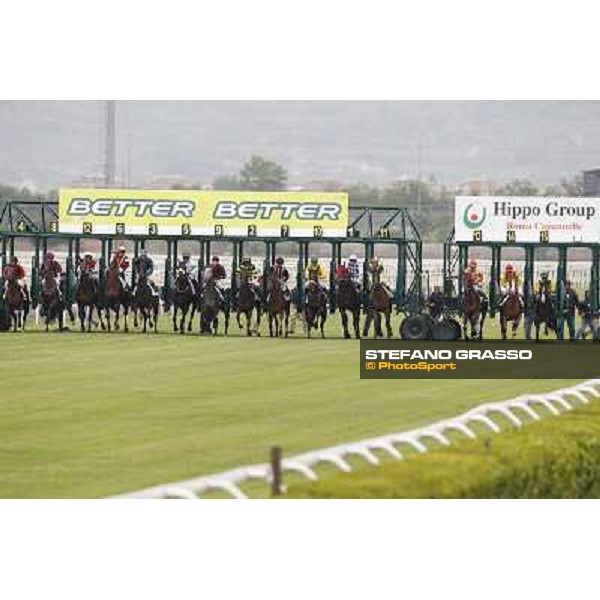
{"x": 388, "y": 230}
{"x": 456, "y": 256}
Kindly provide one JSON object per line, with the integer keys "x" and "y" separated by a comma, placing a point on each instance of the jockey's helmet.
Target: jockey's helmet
{"x": 143, "y": 252}
{"x": 314, "y": 260}
{"x": 50, "y": 255}
{"x": 14, "y": 260}
{"x": 473, "y": 264}
{"x": 216, "y": 259}
{"x": 509, "y": 268}
{"x": 186, "y": 255}
{"x": 375, "y": 260}
{"x": 352, "y": 258}
{"x": 544, "y": 275}
{"x": 568, "y": 283}
{"x": 88, "y": 255}
{"x": 245, "y": 260}
{"x": 122, "y": 249}
{"x": 279, "y": 260}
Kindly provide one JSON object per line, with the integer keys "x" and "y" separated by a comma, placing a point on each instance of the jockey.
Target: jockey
{"x": 473, "y": 277}
{"x": 121, "y": 261}
{"x": 315, "y": 272}
{"x": 376, "y": 270}
{"x": 280, "y": 272}
{"x": 341, "y": 272}
{"x": 354, "y": 271}
{"x": 51, "y": 267}
{"x": 510, "y": 282}
{"x": 185, "y": 265}
{"x": 144, "y": 267}
{"x": 14, "y": 270}
{"x": 436, "y": 303}
{"x": 88, "y": 263}
{"x": 546, "y": 282}
{"x": 219, "y": 275}
{"x": 250, "y": 273}
{"x": 571, "y": 303}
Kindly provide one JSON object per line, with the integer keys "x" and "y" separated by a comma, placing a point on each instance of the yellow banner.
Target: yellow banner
{"x": 198, "y": 212}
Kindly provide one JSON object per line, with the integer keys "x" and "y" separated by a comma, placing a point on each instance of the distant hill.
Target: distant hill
{"x": 54, "y": 143}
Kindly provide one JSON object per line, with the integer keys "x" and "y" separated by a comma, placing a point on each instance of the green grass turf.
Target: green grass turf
{"x": 89, "y": 415}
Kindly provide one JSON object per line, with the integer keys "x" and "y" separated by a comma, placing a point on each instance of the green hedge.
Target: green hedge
{"x": 558, "y": 457}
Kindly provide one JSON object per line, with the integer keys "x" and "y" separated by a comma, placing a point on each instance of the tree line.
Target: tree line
{"x": 430, "y": 205}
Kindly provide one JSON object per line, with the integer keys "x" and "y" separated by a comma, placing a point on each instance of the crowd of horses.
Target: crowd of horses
{"x": 189, "y": 298}
{"x": 113, "y": 303}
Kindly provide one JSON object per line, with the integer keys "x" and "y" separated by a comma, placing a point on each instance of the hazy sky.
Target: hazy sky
{"x": 49, "y": 144}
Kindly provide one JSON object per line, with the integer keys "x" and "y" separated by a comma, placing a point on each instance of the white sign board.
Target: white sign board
{"x": 527, "y": 219}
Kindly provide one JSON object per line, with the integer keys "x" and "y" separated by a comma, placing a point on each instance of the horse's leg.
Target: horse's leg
{"x": 270, "y": 324}
{"x": 258, "y": 316}
{"x": 248, "y": 315}
{"x": 117, "y": 310}
{"x": 175, "y": 316}
{"x": 503, "y": 324}
{"x": 184, "y": 312}
{"x": 155, "y": 316}
{"x": 515, "y": 325}
{"x": 323, "y": 319}
{"x": 345, "y": 323}
{"x": 189, "y": 328}
{"x": 227, "y": 313}
{"x": 388, "y": 323}
{"x": 239, "y": 322}
{"x": 367, "y": 324}
{"x": 81, "y": 314}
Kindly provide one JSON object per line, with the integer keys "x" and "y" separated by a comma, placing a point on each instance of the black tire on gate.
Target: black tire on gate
{"x": 447, "y": 329}
{"x": 415, "y": 327}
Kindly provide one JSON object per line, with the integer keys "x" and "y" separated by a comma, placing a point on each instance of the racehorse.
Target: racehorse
{"x": 278, "y": 307}
{"x": 116, "y": 296}
{"x": 184, "y": 298}
{"x": 52, "y": 305}
{"x": 473, "y": 313}
{"x": 315, "y": 310}
{"x": 348, "y": 299}
{"x": 246, "y": 303}
{"x": 17, "y": 304}
{"x": 147, "y": 303}
{"x": 544, "y": 311}
{"x": 379, "y": 303}
{"x": 511, "y": 311}
{"x": 211, "y": 304}
{"x": 88, "y": 299}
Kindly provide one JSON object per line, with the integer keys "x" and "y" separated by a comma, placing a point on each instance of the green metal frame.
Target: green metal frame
{"x": 369, "y": 226}
{"x": 456, "y": 257}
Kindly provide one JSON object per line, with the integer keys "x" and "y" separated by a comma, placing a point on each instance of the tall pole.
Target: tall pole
{"x": 419, "y": 149}
{"x": 110, "y": 161}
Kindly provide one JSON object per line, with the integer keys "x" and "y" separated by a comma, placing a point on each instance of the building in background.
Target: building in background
{"x": 478, "y": 187}
{"x": 591, "y": 183}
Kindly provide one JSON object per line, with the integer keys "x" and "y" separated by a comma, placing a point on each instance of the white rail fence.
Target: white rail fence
{"x": 229, "y": 481}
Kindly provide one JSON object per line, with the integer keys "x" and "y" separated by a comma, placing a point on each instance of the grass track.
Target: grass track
{"x": 97, "y": 414}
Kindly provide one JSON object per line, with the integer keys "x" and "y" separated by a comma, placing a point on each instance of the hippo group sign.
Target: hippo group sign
{"x": 527, "y": 219}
